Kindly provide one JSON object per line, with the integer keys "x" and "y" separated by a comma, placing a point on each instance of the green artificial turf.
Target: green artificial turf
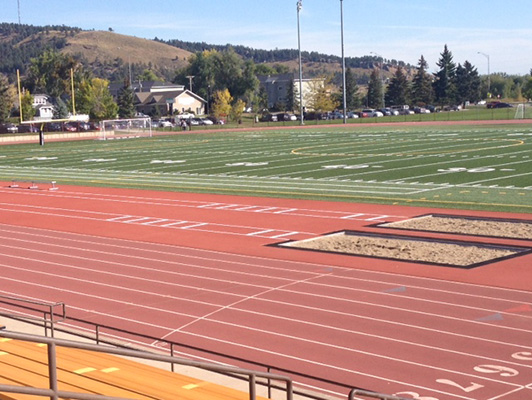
{"x": 486, "y": 167}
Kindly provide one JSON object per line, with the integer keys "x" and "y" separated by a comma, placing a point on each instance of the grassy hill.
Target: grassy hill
{"x": 111, "y": 55}
{"x": 103, "y": 46}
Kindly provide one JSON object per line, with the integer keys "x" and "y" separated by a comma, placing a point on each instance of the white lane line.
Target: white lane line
{"x": 210, "y": 205}
{"x": 260, "y": 232}
{"x": 120, "y": 218}
{"x": 155, "y": 221}
{"x": 282, "y": 235}
{"x": 194, "y": 225}
{"x": 135, "y": 220}
{"x": 353, "y": 216}
{"x": 287, "y": 210}
{"x": 175, "y": 223}
{"x": 265, "y": 209}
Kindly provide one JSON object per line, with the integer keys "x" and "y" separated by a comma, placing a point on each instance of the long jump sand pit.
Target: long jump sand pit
{"x": 462, "y": 254}
{"x": 492, "y": 227}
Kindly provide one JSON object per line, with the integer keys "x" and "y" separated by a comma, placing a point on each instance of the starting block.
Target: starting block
{"x": 33, "y": 184}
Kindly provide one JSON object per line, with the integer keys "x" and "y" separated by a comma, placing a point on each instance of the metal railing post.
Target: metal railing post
{"x": 52, "y": 370}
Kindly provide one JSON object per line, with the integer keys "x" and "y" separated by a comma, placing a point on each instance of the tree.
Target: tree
{"x": 6, "y": 98}
{"x": 527, "y": 88}
{"x": 374, "y": 95}
{"x": 221, "y": 106}
{"x": 50, "y": 73}
{"x": 95, "y": 99}
{"x": 148, "y": 75}
{"x": 213, "y": 70}
{"x": 444, "y": 84}
{"x": 467, "y": 83}
{"x": 320, "y": 98}
{"x": 28, "y": 112}
{"x": 399, "y": 89}
{"x": 352, "y": 99}
{"x": 421, "y": 92}
{"x": 60, "y": 109}
{"x": 290, "y": 95}
{"x": 125, "y": 101}
{"x": 237, "y": 110}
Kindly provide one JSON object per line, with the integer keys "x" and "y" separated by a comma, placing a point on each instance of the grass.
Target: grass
{"x": 468, "y": 167}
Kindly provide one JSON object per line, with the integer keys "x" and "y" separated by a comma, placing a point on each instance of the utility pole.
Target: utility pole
{"x": 190, "y": 77}
{"x": 18, "y": 7}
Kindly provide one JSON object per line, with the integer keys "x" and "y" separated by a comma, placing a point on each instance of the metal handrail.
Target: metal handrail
{"x": 97, "y": 337}
{"x": 53, "y": 393}
{"x": 374, "y": 395}
{"x": 48, "y": 313}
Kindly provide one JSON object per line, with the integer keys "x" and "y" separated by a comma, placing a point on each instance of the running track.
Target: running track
{"x": 198, "y": 269}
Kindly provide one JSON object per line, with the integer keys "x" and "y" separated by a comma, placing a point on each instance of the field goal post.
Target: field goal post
{"x": 520, "y": 112}
{"x": 125, "y": 128}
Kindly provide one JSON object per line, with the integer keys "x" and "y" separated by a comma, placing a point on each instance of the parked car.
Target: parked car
{"x": 165, "y": 124}
{"x": 71, "y": 127}
{"x": 371, "y": 113}
{"x": 502, "y": 105}
{"x": 421, "y": 110}
{"x": 351, "y": 114}
{"x": 28, "y": 128}
{"x": 268, "y": 118}
{"x": 286, "y": 117}
{"x": 452, "y": 108}
{"x": 405, "y": 111}
{"x": 8, "y": 128}
{"x": 53, "y": 127}
{"x": 206, "y": 121}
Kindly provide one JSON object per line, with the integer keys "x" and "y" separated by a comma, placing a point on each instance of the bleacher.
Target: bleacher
{"x": 26, "y": 367}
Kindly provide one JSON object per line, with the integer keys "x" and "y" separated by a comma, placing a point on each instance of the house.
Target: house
{"x": 161, "y": 98}
{"x": 44, "y": 109}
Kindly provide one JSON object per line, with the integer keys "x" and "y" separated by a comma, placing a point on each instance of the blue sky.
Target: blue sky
{"x": 394, "y": 29}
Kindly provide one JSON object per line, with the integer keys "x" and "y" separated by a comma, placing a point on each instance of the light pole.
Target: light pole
{"x": 299, "y": 7}
{"x": 381, "y": 76}
{"x": 343, "y": 60}
{"x": 489, "y": 75}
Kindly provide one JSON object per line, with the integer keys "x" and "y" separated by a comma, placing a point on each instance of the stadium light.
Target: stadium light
{"x": 489, "y": 80}
{"x": 299, "y": 7}
{"x": 343, "y": 59}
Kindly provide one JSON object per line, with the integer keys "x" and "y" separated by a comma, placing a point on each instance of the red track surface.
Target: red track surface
{"x": 197, "y": 269}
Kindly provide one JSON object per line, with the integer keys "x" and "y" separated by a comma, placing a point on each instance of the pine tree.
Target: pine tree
{"x": 444, "y": 79}
{"x": 374, "y": 96}
{"x": 352, "y": 99}
{"x": 125, "y": 101}
{"x": 422, "y": 93}
{"x": 467, "y": 83}
{"x": 399, "y": 89}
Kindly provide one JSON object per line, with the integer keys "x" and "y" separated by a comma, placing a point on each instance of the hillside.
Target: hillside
{"x": 103, "y": 46}
{"x": 111, "y": 55}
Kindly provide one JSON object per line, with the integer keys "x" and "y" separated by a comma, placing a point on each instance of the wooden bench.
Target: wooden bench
{"x": 33, "y": 184}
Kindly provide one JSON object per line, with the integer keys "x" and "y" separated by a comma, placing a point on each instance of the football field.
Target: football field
{"x": 486, "y": 167}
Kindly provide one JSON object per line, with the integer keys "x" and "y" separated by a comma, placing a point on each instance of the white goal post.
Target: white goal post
{"x": 125, "y": 128}
{"x": 520, "y": 112}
